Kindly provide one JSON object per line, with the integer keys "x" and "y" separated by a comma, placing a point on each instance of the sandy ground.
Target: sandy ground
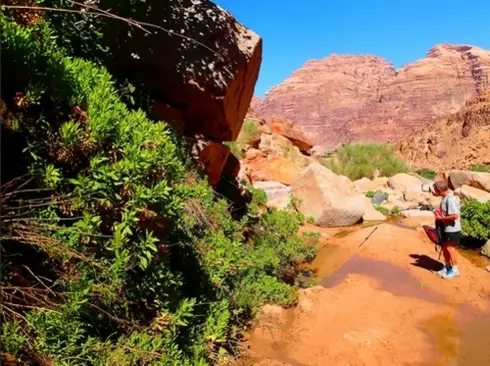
{"x": 379, "y": 304}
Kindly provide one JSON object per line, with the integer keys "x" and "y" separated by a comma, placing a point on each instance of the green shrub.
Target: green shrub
{"x": 370, "y": 194}
{"x": 427, "y": 173}
{"x": 480, "y": 168}
{"x": 148, "y": 265}
{"x": 395, "y": 211}
{"x": 475, "y": 220}
{"x": 362, "y": 160}
{"x": 382, "y": 209}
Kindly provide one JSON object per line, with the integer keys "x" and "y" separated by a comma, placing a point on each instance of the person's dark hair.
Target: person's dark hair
{"x": 441, "y": 186}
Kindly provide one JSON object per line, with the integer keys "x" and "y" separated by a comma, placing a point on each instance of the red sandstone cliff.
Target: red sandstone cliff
{"x": 363, "y": 98}
{"x": 454, "y": 142}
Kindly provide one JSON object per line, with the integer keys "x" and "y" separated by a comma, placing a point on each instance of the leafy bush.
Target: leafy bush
{"x": 145, "y": 264}
{"x": 362, "y": 160}
{"x": 427, "y": 173}
{"x": 480, "y": 168}
{"x": 382, "y": 209}
{"x": 475, "y": 220}
{"x": 395, "y": 211}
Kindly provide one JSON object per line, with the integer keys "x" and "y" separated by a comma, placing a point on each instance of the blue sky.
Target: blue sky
{"x": 295, "y": 31}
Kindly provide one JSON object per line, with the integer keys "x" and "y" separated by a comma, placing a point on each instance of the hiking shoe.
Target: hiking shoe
{"x": 442, "y": 272}
{"x": 452, "y": 273}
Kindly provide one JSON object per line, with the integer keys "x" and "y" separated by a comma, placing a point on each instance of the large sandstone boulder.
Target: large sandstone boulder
{"x": 329, "y": 199}
{"x": 458, "y": 178}
{"x": 468, "y": 192}
{"x": 405, "y": 182}
{"x": 278, "y": 194}
{"x": 201, "y": 72}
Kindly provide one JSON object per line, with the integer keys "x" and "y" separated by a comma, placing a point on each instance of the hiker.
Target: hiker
{"x": 449, "y": 218}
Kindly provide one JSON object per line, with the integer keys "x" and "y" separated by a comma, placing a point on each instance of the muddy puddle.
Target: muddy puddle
{"x": 459, "y": 335}
{"x": 390, "y": 278}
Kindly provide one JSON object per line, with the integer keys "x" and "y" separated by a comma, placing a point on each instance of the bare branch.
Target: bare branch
{"x": 106, "y": 14}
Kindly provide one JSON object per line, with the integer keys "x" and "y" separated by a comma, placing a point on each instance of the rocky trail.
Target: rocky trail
{"x": 377, "y": 302}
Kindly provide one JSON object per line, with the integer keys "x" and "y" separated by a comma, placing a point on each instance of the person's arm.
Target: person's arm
{"x": 452, "y": 212}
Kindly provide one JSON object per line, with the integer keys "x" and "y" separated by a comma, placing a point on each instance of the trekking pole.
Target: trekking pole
{"x": 367, "y": 237}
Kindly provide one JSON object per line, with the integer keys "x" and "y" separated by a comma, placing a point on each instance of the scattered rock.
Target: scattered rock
{"x": 292, "y": 132}
{"x": 405, "y": 182}
{"x": 402, "y": 205}
{"x": 467, "y": 192}
{"x": 328, "y": 198}
{"x": 379, "y": 198}
{"x": 278, "y": 194}
{"x": 372, "y": 214}
{"x": 275, "y": 144}
{"x": 362, "y": 184}
{"x": 485, "y": 250}
{"x": 487, "y": 268}
{"x": 417, "y": 213}
{"x": 458, "y": 178}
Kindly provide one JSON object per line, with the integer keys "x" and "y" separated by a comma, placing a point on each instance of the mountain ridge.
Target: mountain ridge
{"x": 349, "y": 98}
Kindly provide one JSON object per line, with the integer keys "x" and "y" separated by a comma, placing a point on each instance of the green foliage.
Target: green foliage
{"x": 249, "y": 134}
{"x": 382, "y": 209}
{"x": 475, "y": 219}
{"x": 396, "y": 211}
{"x": 362, "y": 160}
{"x": 370, "y": 194}
{"x": 235, "y": 149}
{"x": 427, "y": 173}
{"x": 147, "y": 268}
{"x": 480, "y": 168}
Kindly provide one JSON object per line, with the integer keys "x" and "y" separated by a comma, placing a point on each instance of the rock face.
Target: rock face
{"x": 201, "y": 71}
{"x": 458, "y": 141}
{"x": 346, "y": 98}
{"x": 328, "y": 198}
{"x": 213, "y": 157}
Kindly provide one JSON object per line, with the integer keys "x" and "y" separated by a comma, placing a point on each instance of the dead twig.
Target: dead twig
{"x": 104, "y": 13}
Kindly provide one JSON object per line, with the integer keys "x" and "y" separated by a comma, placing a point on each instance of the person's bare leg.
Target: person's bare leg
{"x": 447, "y": 255}
{"x": 453, "y": 254}
{"x": 453, "y": 258}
